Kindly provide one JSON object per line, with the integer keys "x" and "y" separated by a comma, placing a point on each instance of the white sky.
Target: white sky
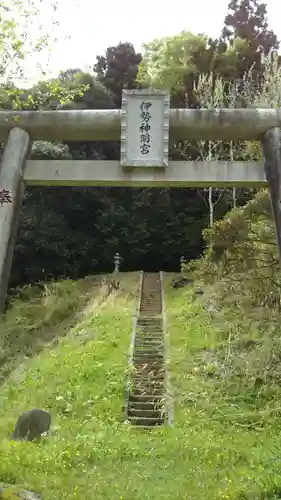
{"x": 94, "y": 25}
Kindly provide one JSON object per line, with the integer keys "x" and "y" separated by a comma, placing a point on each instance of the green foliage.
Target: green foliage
{"x": 118, "y": 69}
{"x": 247, "y": 19}
{"x": 224, "y": 444}
{"x": 36, "y": 315}
{"x": 241, "y": 268}
{"x": 94, "y": 96}
{"x": 225, "y": 376}
{"x": 22, "y": 34}
{"x": 200, "y": 72}
{"x": 168, "y": 61}
{"x": 45, "y": 95}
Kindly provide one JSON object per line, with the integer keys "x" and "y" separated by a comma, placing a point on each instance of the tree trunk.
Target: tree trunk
{"x": 211, "y": 206}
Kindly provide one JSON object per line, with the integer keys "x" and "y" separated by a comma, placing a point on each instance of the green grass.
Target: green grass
{"x": 225, "y": 442}
{"x": 38, "y": 316}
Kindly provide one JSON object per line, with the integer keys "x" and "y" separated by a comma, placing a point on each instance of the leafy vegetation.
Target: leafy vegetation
{"x": 64, "y": 345}
{"x": 37, "y": 316}
{"x": 225, "y": 440}
{"x": 125, "y": 220}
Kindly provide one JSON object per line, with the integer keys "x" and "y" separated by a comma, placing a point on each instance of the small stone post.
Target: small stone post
{"x": 117, "y": 262}
{"x": 11, "y": 194}
{"x": 182, "y": 262}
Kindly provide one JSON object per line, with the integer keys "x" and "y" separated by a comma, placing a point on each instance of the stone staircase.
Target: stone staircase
{"x": 147, "y": 386}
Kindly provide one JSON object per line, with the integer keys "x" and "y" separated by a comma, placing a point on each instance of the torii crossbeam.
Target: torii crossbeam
{"x": 144, "y": 126}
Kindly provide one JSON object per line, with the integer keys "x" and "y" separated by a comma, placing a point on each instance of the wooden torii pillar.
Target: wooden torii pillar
{"x": 20, "y": 128}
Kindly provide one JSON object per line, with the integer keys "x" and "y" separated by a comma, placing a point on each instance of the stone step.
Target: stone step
{"x": 147, "y": 388}
{"x": 150, "y": 340}
{"x": 148, "y": 317}
{"x": 148, "y": 320}
{"x": 141, "y": 380}
{"x": 144, "y": 326}
{"x": 144, "y": 322}
{"x": 146, "y": 358}
{"x": 153, "y": 354}
{"x": 143, "y": 366}
{"x": 146, "y": 376}
{"x": 147, "y": 405}
{"x": 150, "y": 332}
{"x": 151, "y": 393}
{"x": 153, "y": 310}
{"x": 148, "y": 391}
{"x": 145, "y": 384}
{"x": 147, "y": 421}
{"x": 153, "y": 328}
{"x": 150, "y": 301}
{"x": 153, "y": 363}
{"x": 152, "y": 345}
{"x": 148, "y": 347}
{"x": 152, "y": 294}
{"x": 148, "y": 352}
{"x": 140, "y": 412}
{"x": 152, "y": 298}
{"x": 149, "y": 328}
{"x": 150, "y": 355}
{"x": 147, "y": 369}
{"x": 140, "y": 398}
{"x": 151, "y": 304}
{"x": 149, "y": 336}
{"x": 150, "y": 373}
{"x": 150, "y": 309}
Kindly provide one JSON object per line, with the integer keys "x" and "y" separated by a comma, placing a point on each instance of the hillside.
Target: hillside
{"x": 225, "y": 440}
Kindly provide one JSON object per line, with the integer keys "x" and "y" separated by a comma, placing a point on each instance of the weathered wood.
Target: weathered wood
{"x": 11, "y": 179}
{"x": 271, "y": 145}
{"x": 105, "y": 125}
{"x": 177, "y": 174}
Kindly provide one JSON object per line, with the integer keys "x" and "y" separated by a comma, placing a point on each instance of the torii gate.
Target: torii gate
{"x": 144, "y": 124}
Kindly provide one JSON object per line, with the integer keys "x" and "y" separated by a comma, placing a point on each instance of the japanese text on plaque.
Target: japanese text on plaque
{"x": 145, "y": 127}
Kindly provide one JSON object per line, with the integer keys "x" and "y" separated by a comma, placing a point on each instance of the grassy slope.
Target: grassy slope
{"x": 230, "y": 429}
{"x": 39, "y": 316}
{"x": 223, "y": 445}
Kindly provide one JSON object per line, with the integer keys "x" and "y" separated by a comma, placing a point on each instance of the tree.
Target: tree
{"x": 247, "y": 20}
{"x": 176, "y": 63}
{"x": 118, "y": 69}
{"x": 96, "y": 96}
{"x": 23, "y": 31}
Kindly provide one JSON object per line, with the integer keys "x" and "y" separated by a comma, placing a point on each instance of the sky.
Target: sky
{"x": 87, "y": 28}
